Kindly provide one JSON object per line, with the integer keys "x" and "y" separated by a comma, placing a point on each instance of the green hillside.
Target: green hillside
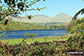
{"x": 12, "y": 25}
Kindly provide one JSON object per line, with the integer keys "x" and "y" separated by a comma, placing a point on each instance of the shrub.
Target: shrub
{"x": 24, "y": 49}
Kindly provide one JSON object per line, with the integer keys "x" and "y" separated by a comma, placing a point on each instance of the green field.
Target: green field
{"x": 29, "y": 40}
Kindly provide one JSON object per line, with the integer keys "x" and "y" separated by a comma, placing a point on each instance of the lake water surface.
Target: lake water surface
{"x": 40, "y": 33}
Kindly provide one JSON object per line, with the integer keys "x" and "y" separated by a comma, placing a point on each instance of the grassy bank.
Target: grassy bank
{"x": 29, "y": 40}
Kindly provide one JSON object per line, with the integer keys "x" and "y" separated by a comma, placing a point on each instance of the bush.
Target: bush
{"x": 74, "y": 44}
{"x": 24, "y": 49}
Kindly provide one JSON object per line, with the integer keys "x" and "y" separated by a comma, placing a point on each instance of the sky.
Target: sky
{"x": 54, "y": 7}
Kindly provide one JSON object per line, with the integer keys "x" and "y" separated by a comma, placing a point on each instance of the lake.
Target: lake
{"x": 40, "y": 33}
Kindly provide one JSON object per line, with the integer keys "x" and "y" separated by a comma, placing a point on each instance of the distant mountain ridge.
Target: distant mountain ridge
{"x": 62, "y": 17}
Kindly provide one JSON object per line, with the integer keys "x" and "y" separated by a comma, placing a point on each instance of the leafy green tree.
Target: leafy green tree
{"x": 16, "y": 7}
{"x": 26, "y": 34}
{"x": 32, "y": 35}
{"x": 81, "y": 11}
{"x": 29, "y": 35}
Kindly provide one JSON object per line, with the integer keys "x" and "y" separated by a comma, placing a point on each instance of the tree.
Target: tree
{"x": 26, "y": 34}
{"x": 16, "y": 7}
{"x": 81, "y": 11}
{"x": 32, "y": 35}
{"x": 29, "y": 35}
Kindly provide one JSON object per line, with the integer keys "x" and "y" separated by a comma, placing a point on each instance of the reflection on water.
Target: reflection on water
{"x": 40, "y": 33}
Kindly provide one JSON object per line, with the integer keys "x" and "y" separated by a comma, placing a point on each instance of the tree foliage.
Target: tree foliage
{"x": 75, "y": 26}
{"x": 81, "y": 11}
{"x": 15, "y": 7}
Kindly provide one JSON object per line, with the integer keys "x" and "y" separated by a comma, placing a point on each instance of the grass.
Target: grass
{"x": 29, "y": 40}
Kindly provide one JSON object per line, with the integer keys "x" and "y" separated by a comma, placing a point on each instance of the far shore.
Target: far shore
{"x": 32, "y": 29}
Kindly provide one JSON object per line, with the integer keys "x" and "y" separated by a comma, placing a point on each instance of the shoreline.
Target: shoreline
{"x": 32, "y": 29}
{"x": 29, "y": 40}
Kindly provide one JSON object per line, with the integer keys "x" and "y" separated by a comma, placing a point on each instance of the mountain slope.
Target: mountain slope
{"x": 62, "y": 18}
{"x": 45, "y": 19}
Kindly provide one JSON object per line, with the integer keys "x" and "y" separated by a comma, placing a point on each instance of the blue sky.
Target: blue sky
{"x": 54, "y": 7}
